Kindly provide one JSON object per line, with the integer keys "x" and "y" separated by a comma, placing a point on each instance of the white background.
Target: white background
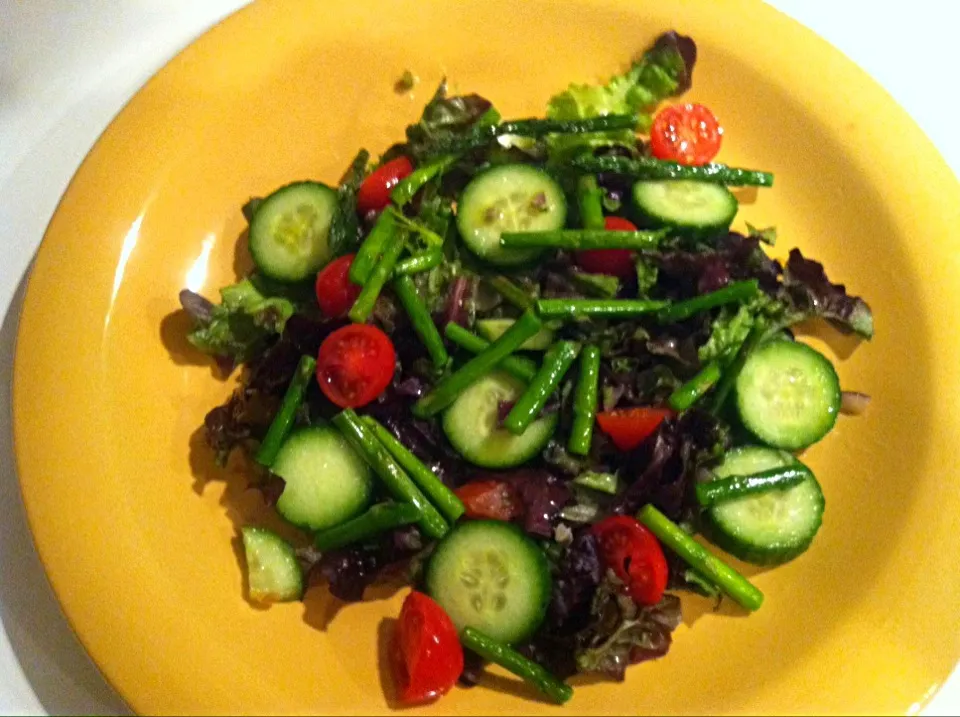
{"x": 67, "y": 67}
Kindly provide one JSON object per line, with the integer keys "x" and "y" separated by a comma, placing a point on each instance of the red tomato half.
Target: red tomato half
{"x": 355, "y": 364}
{"x": 491, "y": 499}
{"x": 630, "y": 426}
{"x": 615, "y": 262}
{"x": 426, "y": 653}
{"x": 688, "y": 134}
{"x": 374, "y": 193}
{"x": 635, "y": 556}
{"x": 618, "y": 224}
{"x": 335, "y": 292}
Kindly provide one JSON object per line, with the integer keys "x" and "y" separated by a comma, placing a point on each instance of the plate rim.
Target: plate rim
{"x": 918, "y": 138}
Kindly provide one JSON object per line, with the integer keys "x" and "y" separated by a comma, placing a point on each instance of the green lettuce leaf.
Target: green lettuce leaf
{"x": 663, "y": 71}
{"x": 646, "y": 277}
{"x": 729, "y": 330}
{"x": 344, "y": 234}
{"x": 444, "y": 116}
{"x": 602, "y": 286}
{"x": 767, "y": 236}
{"x": 732, "y": 325}
{"x": 241, "y": 326}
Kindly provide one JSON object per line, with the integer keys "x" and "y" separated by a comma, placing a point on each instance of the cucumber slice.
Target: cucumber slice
{"x": 767, "y": 528}
{"x": 788, "y": 394}
{"x": 472, "y": 424}
{"x": 693, "y": 207}
{"x": 327, "y": 483}
{"x": 289, "y": 234}
{"x": 493, "y": 329}
{"x": 273, "y": 572}
{"x": 509, "y": 198}
{"x": 488, "y": 575}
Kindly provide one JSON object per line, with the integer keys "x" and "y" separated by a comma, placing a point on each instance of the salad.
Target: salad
{"x": 518, "y": 365}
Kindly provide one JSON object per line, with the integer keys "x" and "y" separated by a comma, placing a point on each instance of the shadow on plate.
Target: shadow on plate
{"x": 245, "y": 504}
{"x": 696, "y": 607}
{"x": 387, "y": 685}
{"x": 842, "y": 345}
{"x": 242, "y": 500}
{"x": 58, "y": 669}
{"x": 242, "y": 261}
{"x": 175, "y": 326}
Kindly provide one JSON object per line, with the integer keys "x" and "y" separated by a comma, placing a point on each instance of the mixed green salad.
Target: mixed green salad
{"x": 519, "y": 365}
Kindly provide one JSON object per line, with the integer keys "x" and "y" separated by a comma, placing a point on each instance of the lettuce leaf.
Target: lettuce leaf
{"x": 241, "y": 326}
{"x": 662, "y": 470}
{"x": 665, "y": 70}
{"x": 444, "y": 115}
{"x": 810, "y": 294}
{"x": 646, "y": 277}
{"x": 732, "y": 325}
{"x": 767, "y": 236}
{"x": 350, "y": 570}
{"x": 251, "y": 408}
{"x": 729, "y": 330}
{"x": 624, "y": 632}
{"x": 599, "y": 285}
{"x": 344, "y": 226}
{"x": 592, "y": 626}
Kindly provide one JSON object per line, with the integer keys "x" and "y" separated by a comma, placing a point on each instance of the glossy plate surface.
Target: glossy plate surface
{"x": 142, "y": 550}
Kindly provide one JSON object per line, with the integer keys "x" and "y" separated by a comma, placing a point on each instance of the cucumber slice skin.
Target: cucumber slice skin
{"x": 273, "y": 571}
{"x": 471, "y": 424}
{"x": 771, "y": 528}
{"x": 493, "y": 329}
{"x": 289, "y": 233}
{"x": 693, "y": 208}
{"x": 510, "y": 197}
{"x": 487, "y": 574}
{"x": 327, "y": 482}
{"x": 788, "y": 395}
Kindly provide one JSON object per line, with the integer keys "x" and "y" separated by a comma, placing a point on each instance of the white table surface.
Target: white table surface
{"x": 67, "y": 67}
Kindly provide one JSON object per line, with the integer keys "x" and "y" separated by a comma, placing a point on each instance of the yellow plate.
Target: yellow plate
{"x": 142, "y": 551}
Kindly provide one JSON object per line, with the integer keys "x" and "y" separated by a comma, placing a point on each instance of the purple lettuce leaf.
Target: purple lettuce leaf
{"x": 578, "y": 575}
{"x": 422, "y": 437}
{"x": 733, "y": 257}
{"x": 543, "y": 496}
{"x": 350, "y": 570}
{"x": 811, "y": 294}
{"x": 270, "y": 487}
{"x": 472, "y": 669}
{"x": 662, "y": 470}
{"x": 247, "y": 414}
{"x": 444, "y": 116}
{"x": 457, "y": 309}
{"x": 625, "y": 633}
{"x": 556, "y": 653}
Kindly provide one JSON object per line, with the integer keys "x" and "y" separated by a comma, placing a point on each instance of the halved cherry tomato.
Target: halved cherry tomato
{"x": 635, "y": 556}
{"x": 615, "y": 262}
{"x": 374, "y": 193}
{"x": 688, "y": 134}
{"x": 491, "y": 499}
{"x": 355, "y": 364}
{"x": 629, "y": 427}
{"x": 425, "y": 651}
{"x": 335, "y": 292}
